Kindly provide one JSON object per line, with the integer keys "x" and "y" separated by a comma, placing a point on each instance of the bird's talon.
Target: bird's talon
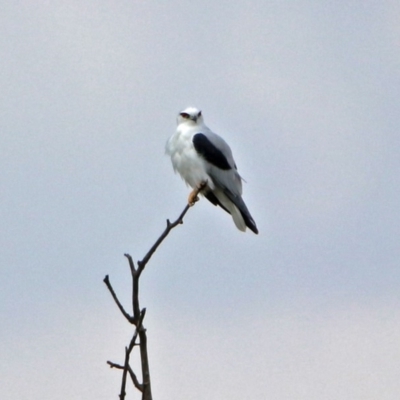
{"x": 193, "y": 198}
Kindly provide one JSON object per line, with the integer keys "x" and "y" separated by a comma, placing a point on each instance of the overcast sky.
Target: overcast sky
{"x": 307, "y": 95}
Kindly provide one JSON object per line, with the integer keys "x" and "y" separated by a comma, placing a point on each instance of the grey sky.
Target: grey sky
{"x": 307, "y": 95}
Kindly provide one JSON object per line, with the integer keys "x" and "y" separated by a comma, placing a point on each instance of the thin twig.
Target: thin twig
{"x": 124, "y": 373}
{"x": 131, "y": 264}
{"x": 126, "y": 368}
{"x": 106, "y": 280}
{"x": 133, "y": 376}
{"x": 167, "y": 230}
{"x": 170, "y": 226}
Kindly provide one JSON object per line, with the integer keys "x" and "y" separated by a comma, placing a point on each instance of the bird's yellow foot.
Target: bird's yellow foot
{"x": 193, "y": 196}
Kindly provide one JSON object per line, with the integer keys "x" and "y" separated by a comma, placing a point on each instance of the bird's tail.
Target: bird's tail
{"x": 243, "y": 211}
{"x": 238, "y": 218}
{"x": 237, "y": 208}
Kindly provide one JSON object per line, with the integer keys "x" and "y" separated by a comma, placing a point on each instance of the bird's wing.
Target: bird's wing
{"x": 221, "y": 168}
{"x": 220, "y": 163}
{"x": 231, "y": 187}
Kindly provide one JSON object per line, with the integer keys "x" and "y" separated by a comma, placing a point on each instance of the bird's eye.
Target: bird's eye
{"x": 185, "y": 115}
{"x": 199, "y": 114}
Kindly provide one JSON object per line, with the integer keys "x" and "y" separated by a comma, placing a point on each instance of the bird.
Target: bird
{"x": 205, "y": 162}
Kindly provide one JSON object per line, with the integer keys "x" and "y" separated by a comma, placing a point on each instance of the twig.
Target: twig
{"x": 106, "y": 280}
{"x": 170, "y": 226}
{"x": 124, "y": 373}
{"x": 134, "y": 378}
{"x": 128, "y": 351}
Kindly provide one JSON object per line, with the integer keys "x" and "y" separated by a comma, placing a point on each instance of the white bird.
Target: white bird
{"x": 204, "y": 160}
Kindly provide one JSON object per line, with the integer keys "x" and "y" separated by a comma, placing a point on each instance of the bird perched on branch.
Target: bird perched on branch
{"x": 204, "y": 160}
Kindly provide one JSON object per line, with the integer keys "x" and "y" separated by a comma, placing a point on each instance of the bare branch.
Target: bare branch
{"x": 145, "y": 366}
{"x": 126, "y": 366}
{"x": 170, "y": 226}
{"x": 114, "y": 365}
{"x": 124, "y": 373}
{"x": 133, "y": 376}
{"x": 138, "y": 316}
{"x": 135, "y": 298}
{"x": 106, "y": 280}
{"x": 131, "y": 264}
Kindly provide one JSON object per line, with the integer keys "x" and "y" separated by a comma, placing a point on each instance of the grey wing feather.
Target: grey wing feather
{"x": 229, "y": 181}
{"x": 241, "y": 205}
{"x": 233, "y": 192}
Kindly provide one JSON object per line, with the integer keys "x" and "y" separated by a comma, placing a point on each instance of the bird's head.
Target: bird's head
{"x": 190, "y": 115}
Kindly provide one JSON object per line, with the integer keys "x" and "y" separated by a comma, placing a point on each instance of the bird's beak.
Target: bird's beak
{"x": 194, "y": 118}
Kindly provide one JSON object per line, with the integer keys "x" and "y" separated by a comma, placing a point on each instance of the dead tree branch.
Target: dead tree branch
{"x": 138, "y": 315}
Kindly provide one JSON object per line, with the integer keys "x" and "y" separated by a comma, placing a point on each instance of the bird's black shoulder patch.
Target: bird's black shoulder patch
{"x": 209, "y": 152}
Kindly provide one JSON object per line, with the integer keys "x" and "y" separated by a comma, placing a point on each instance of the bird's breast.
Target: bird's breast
{"x": 185, "y": 160}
